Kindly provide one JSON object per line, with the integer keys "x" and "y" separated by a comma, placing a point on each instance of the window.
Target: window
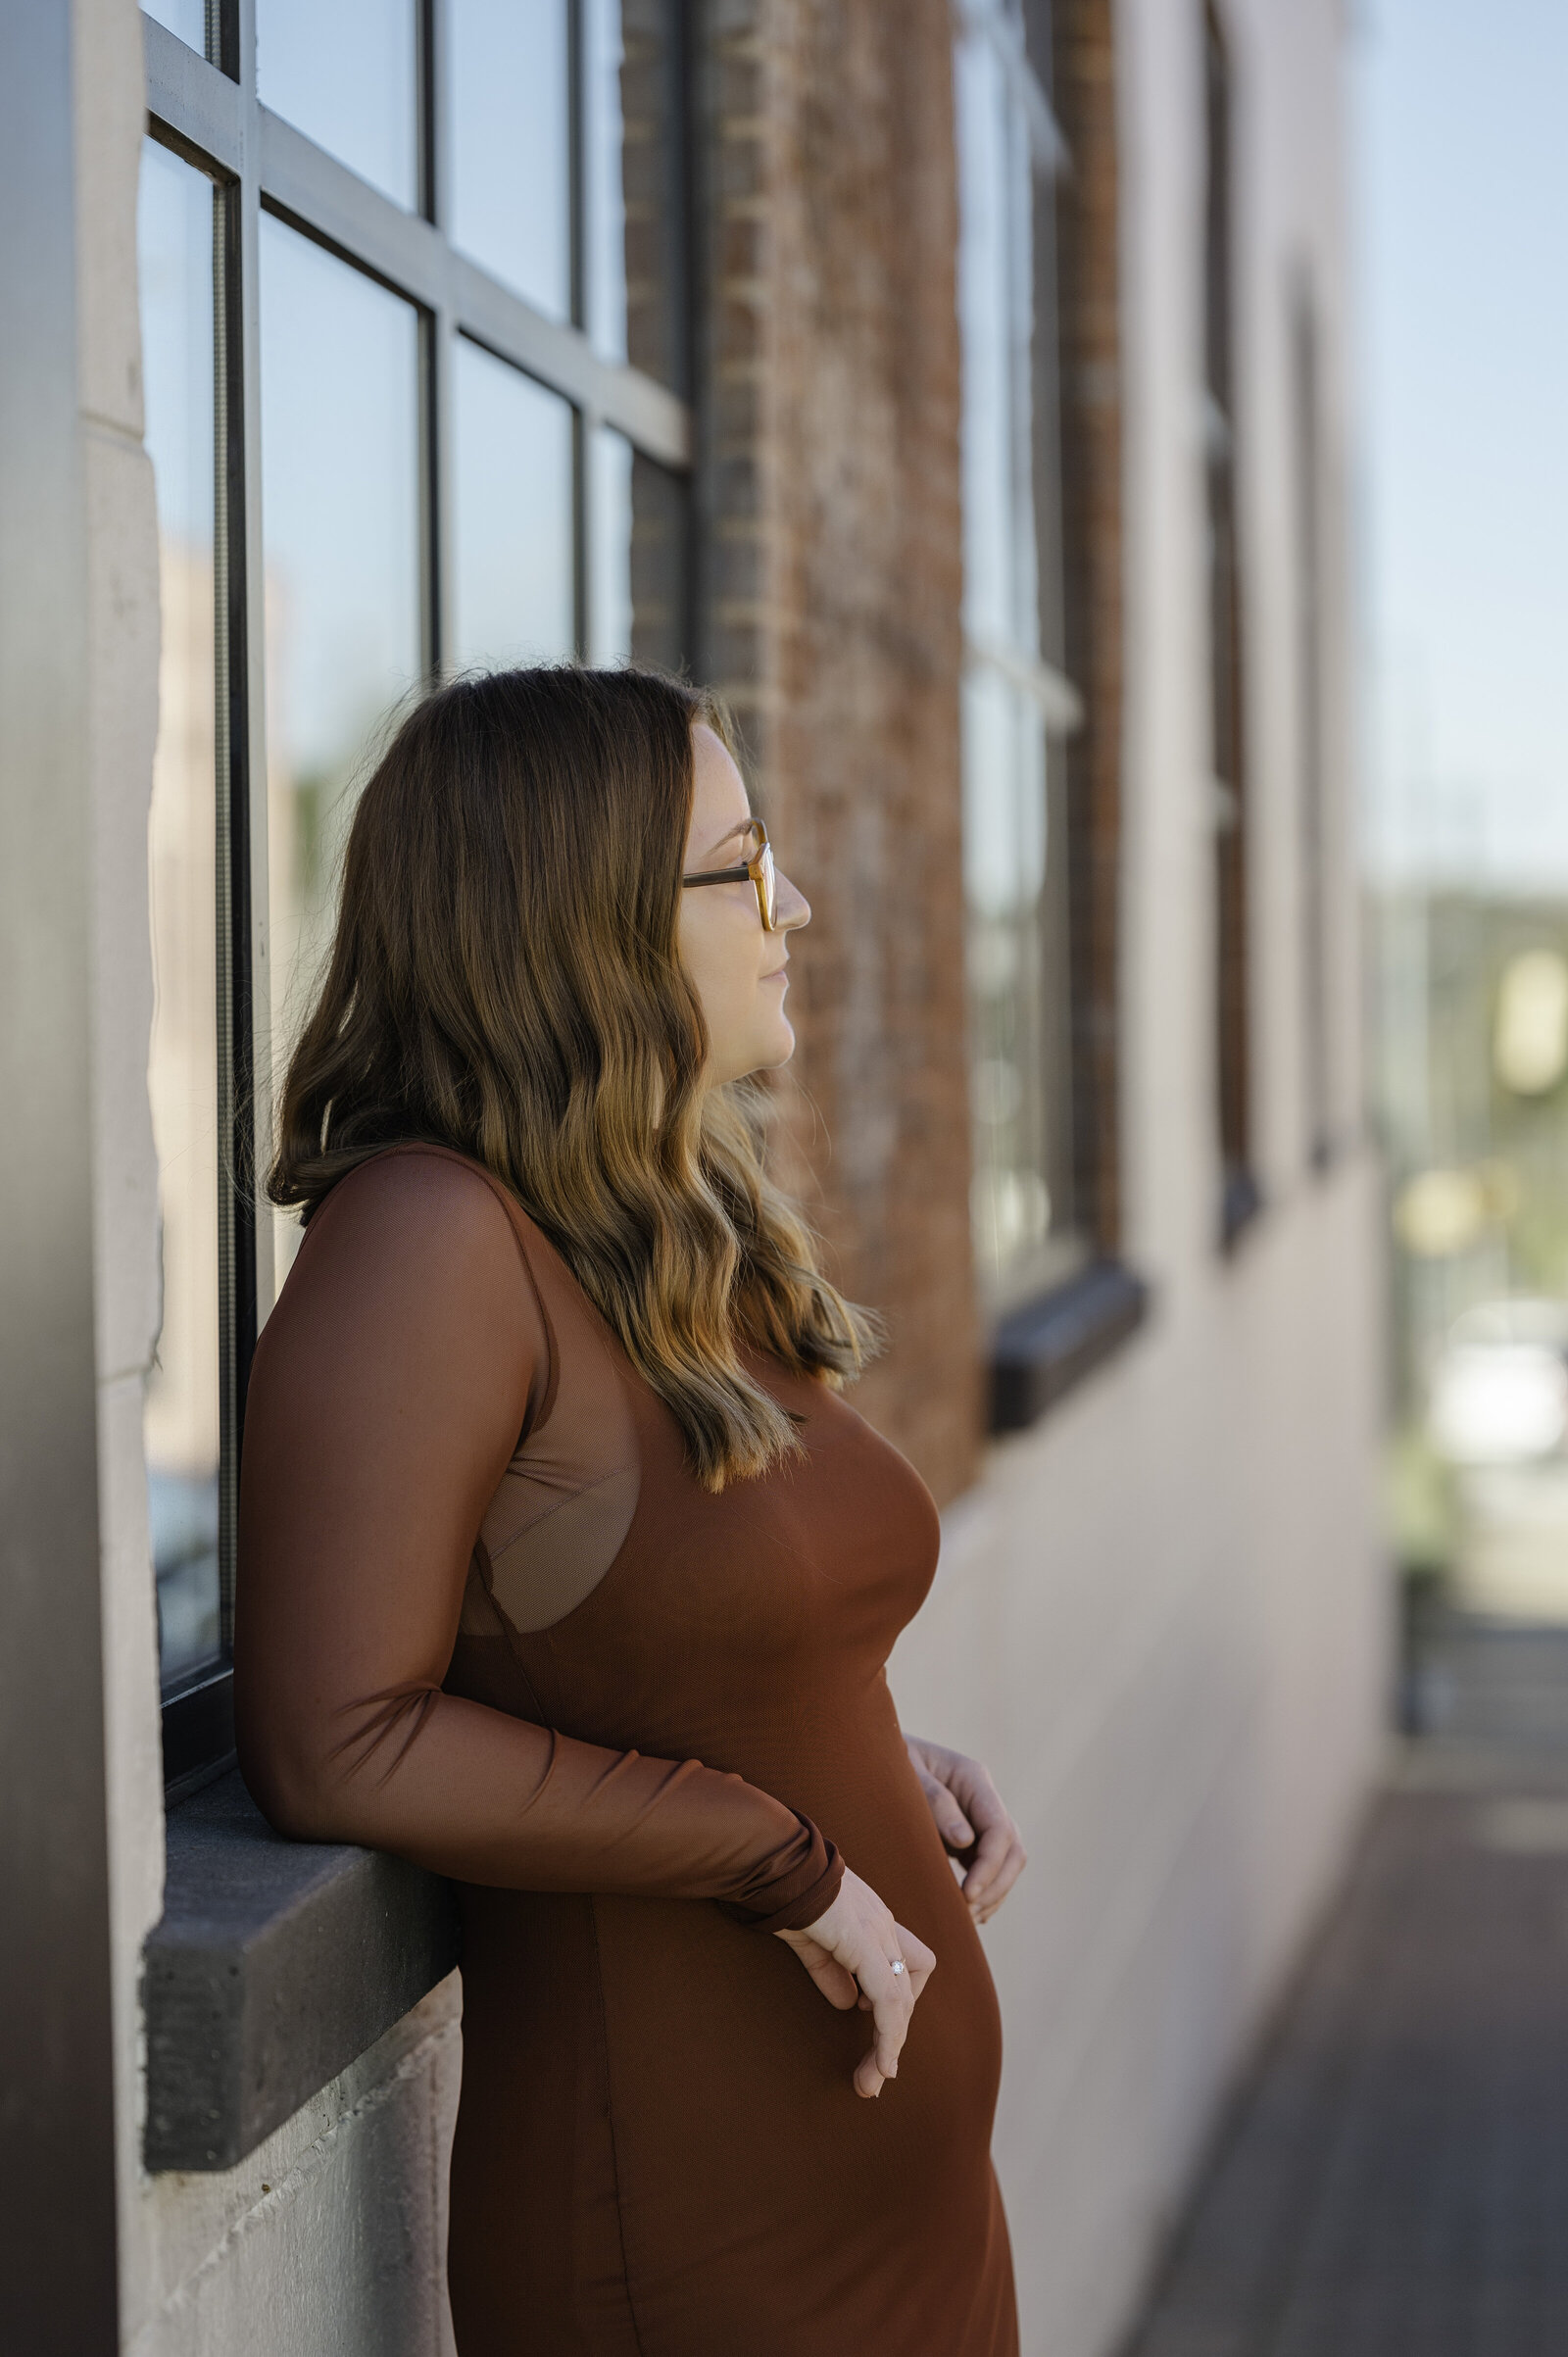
{"x": 1240, "y": 1199}
{"x": 180, "y": 225}
{"x": 412, "y": 296}
{"x": 1035, "y": 90}
{"x": 1018, "y": 705}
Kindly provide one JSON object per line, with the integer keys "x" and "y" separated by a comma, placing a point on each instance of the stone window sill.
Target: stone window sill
{"x": 1038, "y": 1352}
{"x": 275, "y": 1965}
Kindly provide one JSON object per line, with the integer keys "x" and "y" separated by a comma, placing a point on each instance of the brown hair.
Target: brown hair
{"x": 504, "y": 979}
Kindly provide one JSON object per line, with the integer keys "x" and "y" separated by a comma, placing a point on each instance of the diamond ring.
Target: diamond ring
{"x": 897, "y": 1964}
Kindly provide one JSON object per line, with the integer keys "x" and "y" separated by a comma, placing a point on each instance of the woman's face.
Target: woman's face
{"x": 735, "y": 964}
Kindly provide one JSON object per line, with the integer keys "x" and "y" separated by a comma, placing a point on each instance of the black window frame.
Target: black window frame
{"x": 1241, "y": 1198}
{"x": 206, "y": 110}
{"x": 1305, "y": 333}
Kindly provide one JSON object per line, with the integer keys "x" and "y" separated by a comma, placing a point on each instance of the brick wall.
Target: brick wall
{"x": 829, "y": 583}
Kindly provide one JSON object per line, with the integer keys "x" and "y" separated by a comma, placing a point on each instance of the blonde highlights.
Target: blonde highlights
{"x": 504, "y": 981}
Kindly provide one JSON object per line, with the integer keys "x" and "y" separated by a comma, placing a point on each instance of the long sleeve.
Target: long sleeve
{"x": 391, "y": 1384}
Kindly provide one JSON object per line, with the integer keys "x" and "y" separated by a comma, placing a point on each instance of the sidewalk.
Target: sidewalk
{"x": 1393, "y": 2182}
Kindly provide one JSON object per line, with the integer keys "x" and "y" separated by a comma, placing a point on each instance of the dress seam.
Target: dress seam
{"x": 610, "y": 2123}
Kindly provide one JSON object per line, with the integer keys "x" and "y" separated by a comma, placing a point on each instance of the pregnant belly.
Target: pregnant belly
{"x": 656, "y": 2078}
{"x": 744, "y": 2030}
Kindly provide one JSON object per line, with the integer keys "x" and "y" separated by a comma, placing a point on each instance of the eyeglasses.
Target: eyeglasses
{"x": 759, "y": 868}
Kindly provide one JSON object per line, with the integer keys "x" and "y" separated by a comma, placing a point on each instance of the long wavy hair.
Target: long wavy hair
{"x": 505, "y": 980}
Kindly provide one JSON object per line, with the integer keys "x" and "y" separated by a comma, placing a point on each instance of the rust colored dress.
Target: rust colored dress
{"x": 488, "y": 1619}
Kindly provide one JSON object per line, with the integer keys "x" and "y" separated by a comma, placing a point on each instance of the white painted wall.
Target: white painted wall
{"x": 1158, "y": 1616}
{"x": 1161, "y": 1616}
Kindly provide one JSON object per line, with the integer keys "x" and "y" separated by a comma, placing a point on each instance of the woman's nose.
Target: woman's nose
{"x": 794, "y": 908}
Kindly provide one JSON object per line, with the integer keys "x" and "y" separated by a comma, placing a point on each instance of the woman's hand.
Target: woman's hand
{"x": 850, "y": 1954}
{"x": 970, "y": 1818}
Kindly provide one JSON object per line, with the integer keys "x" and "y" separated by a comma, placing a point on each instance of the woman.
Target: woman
{"x": 565, "y": 1572}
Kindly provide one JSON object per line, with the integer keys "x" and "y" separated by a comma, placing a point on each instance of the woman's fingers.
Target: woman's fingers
{"x": 950, "y": 1822}
{"x": 998, "y": 1862}
{"x": 839, "y": 1988}
{"x": 1000, "y": 1856}
{"x": 892, "y": 2002}
{"x": 892, "y": 2006}
{"x": 858, "y": 1934}
{"x": 892, "y": 1995}
{"x": 919, "y": 1960}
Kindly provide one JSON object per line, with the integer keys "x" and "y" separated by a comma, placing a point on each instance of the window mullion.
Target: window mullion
{"x": 441, "y": 543}
{"x": 582, "y": 539}
{"x": 254, "y": 1122}
{"x": 437, "y": 126}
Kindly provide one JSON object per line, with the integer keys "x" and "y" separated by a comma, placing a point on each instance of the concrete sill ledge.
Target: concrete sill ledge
{"x": 275, "y": 1965}
{"x": 1041, "y": 1351}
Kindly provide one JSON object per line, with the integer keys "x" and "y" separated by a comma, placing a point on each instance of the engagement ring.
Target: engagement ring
{"x": 897, "y": 1964}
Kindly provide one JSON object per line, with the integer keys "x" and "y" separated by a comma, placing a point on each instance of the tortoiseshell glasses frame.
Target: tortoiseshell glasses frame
{"x": 760, "y": 872}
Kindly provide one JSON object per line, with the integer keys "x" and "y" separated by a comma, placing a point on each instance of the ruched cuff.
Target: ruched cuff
{"x": 797, "y": 1898}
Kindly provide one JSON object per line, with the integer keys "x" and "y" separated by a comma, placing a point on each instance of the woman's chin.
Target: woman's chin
{"x": 766, "y": 1055}
{"x": 786, "y": 1044}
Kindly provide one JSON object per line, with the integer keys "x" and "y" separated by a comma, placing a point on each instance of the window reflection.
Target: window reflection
{"x": 603, "y": 191}
{"x": 187, "y": 17}
{"x": 347, "y": 75}
{"x": 515, "y": 596}
{"x": 512, "y": 144}
{"x": 1005, "y": 346}
{"x": 1018, "y": 983}
{"x": 340, "y": 475}
{"x": 638, "y": 577}
{"x": 175, "y": 242}
{"x": 512, "y": 165}
{"x": 1015, "y": 869}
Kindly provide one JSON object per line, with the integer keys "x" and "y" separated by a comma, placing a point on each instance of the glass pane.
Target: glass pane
{"x": 632, "y": 212}
{"x": 340, "y": 518}
{"x": 637, "y": 577}
{"x": 515, "y": 596}
{"x": 512, "y": 144}
{"x": 175, "y": 245}
{"x": 603, "y": 195}
{"x": 187, "y": 17}
{"x": 1014, "y": 882}
{"x": 995, "y": 310}
{"x": 348, "y": 77}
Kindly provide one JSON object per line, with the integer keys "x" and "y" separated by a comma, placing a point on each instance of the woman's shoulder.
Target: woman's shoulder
{"x": 421, "y": 1232}
{"x": 422, "y": 1195}
{"x": 408, "y": 1308}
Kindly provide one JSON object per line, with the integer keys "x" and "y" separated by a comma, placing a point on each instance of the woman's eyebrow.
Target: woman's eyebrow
{"x": 742, "y": 826}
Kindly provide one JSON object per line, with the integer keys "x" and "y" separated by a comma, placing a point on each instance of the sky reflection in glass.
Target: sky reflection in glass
{"x": 340, "y": 475}
{"x": 610, "y": 616}
{"x": 347, "y": 75}
{"x": 511, "y": 174}
{"x": 513, "y": 456}
{"x": 604, "y": 192}
{"x": 186, "y": 18}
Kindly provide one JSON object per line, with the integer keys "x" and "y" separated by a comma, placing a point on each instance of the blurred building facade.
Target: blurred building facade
{"x": 1473, "y": 1101}
{"x": 965, "y": 392}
